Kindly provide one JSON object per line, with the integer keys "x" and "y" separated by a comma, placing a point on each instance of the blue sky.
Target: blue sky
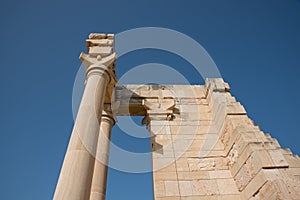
{"x": 255, "y": 44}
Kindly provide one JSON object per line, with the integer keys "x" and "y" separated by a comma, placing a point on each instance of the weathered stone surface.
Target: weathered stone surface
{"x": 227, "y": 186}
{"x": 172, "y": 188}
{"x": 204, "y": 146}
{"x": 205, "y": 187}
{"x": 220, "y": 157}
{"x": 185, "y": 188}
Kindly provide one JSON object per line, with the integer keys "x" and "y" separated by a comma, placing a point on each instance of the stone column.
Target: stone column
{"x": 98, "y": 188}
{"x": 77, "y": 171}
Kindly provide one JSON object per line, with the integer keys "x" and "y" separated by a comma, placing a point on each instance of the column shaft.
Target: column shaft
{"x": 98, "y": 188}
{"x": 77, "y": 170}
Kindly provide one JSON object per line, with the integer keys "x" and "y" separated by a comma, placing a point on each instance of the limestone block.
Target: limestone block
{"x": 291, "y": 172}
{"x": 193, "y": 108}
{"x": 251, "y": 136}
{"x": 182, "y": 165}
{"x": 205, "y": 187}
{"x": 195, "y": 116}
{"x": 185, "y": 188}
{"x": 231, "y": 132}
{"x": 171, "y": 167}
{"x": 274, "y": 190}
{"x": 291, "y": 177}
{"x": 244, "y": 156}
{"x": 227, "y": 186}
{"x": 217, "y": 103}
{"x": 277, "y": 158}
{"x": 172, "y": 188}
{"x": 219, "y": 174}
{"x": 187, "y": 126}
{"x": 261, "y": 158}
{"x": 211, "y": 154}
{"x": 110, "y": 36}
{"x": 157, "y": 176}
{"x": 168, "y": 198}
{"x": 99, "y": 42}
{"x": 160, "y": 130}
{"x": 186, "y": 154}
{"x": 159, "y": 188}
{"x": 206, "y": 197}
{"x": 191, "y": 129}
{"x": 235, "y": 108}
{"x": 238, "y": 120}
{"x": 100, "y": 50}
{"x": 230, "y": 197}
{"x": 285, "y": 151}
{"x": 230, "y": 98}
{"x": 206, "y": 145}
{"x": 292, "y": 160}
{"x": 243, "y": 177}
{"x": 228, "y": 138}
{"x": 199, "y": 90}
{"x": 199, "y": 175}
{"x": 162, "y": 139}
{"x": 256, "y": 162}
{"x": 97, "y": 36}
{"x": 160, "y": 163}
{"x": 212, "y": 142}
{"x": 163, "y": 153}
{"x": 181, "y": 136}
{"x": 198, "y": 164}
{"x": 186, "y": 91}
{"x": 258, "y": 181}
{"x": 216, "y": 84}
{"x": 193, "y": 101}
{"x": 159, "y": 123}
{"x": 242, "y": 146}
{"x": 183, "y": 145}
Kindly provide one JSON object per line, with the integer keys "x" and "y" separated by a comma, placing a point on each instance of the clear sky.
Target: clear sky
{"x": 255, "y": 44}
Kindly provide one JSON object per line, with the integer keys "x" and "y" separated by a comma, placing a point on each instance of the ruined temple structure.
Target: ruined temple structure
{"x": 204, "y": 146}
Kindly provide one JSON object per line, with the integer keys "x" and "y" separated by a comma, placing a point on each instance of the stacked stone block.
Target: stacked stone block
{"x": 210, "y": 149}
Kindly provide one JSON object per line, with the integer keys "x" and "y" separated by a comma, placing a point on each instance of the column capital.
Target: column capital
{"x": 158, "y": 109}
{"x": 100, "y": 66}
{"x": 101, "y": 57}
{"x": 108, "y": 114}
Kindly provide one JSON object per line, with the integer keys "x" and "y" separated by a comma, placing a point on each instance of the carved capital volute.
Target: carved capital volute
{"x": 101, "y": 57}
{"x": 158, "y": 109}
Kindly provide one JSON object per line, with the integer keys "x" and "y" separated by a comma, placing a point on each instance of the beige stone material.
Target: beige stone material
{"x": 205, "y": 187}
{"x": 159, "y": 189}
{"x": 172, "y": 188}
{"x": 165, "y": 176}
{"x": 204, "y": 146}
{"x": 98, "y": 187}
{"x": 77, "y": 170}
{"x": 100, "y": 50}
{"x": 219, "y": 174}
{"x": 185, "y": 188}
{"x": 227, "y": 186}
{"x": 198, "y": 175}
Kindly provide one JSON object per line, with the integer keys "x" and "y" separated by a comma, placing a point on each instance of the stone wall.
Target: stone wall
{"x": 205, "y": 147}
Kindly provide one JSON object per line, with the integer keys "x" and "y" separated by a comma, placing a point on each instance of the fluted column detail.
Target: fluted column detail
{"x": 77, "y": 171}
{"x": 98, "y": 188}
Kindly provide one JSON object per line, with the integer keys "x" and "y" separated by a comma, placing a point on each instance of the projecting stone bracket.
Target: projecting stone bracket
{"x": 158, "y": 109}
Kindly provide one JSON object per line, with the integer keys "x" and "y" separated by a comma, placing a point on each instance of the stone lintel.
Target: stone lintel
{"x": 131, "y": 97}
